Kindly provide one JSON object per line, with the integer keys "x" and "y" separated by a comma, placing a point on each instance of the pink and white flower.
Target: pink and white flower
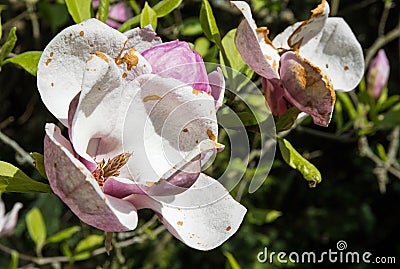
{"x": 378, "y": 74}
{"x": 303, "y": 65}
{"x": 139, "y": 130}
{"x": 9, "y": 220}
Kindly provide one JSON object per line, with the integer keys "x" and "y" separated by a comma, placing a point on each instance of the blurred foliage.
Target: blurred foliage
{"x": 355, "y": 201}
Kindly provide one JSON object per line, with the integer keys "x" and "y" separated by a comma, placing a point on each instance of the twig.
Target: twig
{"x": 384, "y": 17}
{"x": 25, "y": 157}
{"x": 380, "y": 42}
{"x": 334, "y": 7}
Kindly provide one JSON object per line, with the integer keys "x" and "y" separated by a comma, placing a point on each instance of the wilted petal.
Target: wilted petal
{"x": 310, "y": 28}
{"x": 142, "y": 38}
{"x": 203, "y": 217}
{"x": 307, "y": 88}
{"x": 177, "y": 60}
{"x": 247, "y": 43}
{"x": 168, "y": 125}
{"x": 338, "y": 53}
{"x": 76, "y": 186}
{"x": 378, "y": 74}
{"x": 217, "y": 84}
{"x": 9, "y": 220}
{"x": 281, "y": 40}
{"x": 61, "y": 66}
{"x": 275, "y": 96}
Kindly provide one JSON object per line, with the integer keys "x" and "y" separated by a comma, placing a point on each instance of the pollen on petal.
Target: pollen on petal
{"x": 180, "y": 223}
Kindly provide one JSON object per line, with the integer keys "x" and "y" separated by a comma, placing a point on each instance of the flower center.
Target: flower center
{"x": 110, "y": 168}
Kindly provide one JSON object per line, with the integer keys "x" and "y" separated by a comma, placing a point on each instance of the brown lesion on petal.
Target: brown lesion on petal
{"x": 81, "y": 33}
{"x": 319, "y": 10}
{"x": 211, "y": 135}
{"x": 180, "y": 223}
{"x": 228, "y": 228}
{"x": 265, "y": 32}
{"x": 346, "y": 68}
{"x": 129, "y": 58}
{"x": 110, "y": 168}
{"x": 101, "y": 55}
{"x": 48, "y": 61}
{"x": 152, "y": 97}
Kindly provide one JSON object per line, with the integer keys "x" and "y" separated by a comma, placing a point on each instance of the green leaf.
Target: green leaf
{"x": 9, "y": 44}
{"x": 80, "y": 10}
{"x": 202, "y": 45}
{"x": 28, "y": 60}
{"x": 103, "y": 10}
{"x": 260, "y": 216}
{"x": 12, "y": 179}
{"x": 39, "y": 163}
{"x": 208, "y": 23}
{"x": 235, "y": 59}
{"x": 381, "y": 152}
{"x": 163, "y": 8}
{"x": 14, "y": 260}
{"x": 347, "y": 104}
{"x": 190, "y": 27}
{"x": 231, "y": 260}
{"x": 286, "y": 121}
{"x": 64, "y": 234}
{"x": 130, "y": 23}
{"x": 298, "y": 162}
{"x": 36, "y": 228}
{"x": 148, "y": 16}
{"x": 86, "y": 246}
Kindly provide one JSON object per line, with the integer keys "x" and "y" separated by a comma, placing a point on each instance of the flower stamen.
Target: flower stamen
{"x": 110, "y": 168}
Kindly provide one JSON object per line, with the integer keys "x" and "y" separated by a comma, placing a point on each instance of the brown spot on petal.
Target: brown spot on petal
{"x": 211, "y": 135}
{"x": 124, "y": 75}
{"x": 196, "y": 92}
{"x": 81, "y": 33}
{"x": 269, "y": 58}
{"x": 48, "y": 61}
{"x": 346, "y": 68}
{"x": 129, "y": 58}
{"x": 326, "y": 65}
{"x": 102, "y": 56}
{"x": 51, "y": 54}
{"x": 228, "y": 228}
{"x": 180, "y": 223}
{"x": 185, "y": 130}
{"x": 55, "y": 165}
{"x": 149, "y": 183}
{"x": 152, "y": 97}
{"x": 52, "y": 84}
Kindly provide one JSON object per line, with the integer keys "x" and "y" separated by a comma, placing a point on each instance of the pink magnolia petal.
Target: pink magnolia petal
{"x": 61, "y": 66}
{"x": 9, "y": 220}
{"x": 167, "y": 126}
{"x": 203, "y": 217}
{"x": 378, "y": 74}
{"x": 310, "y": 28}
{"x": 142, "y": 39}
{"x": 118, "y": 13}
{"x": 247, "y": 43}
{"x": 76, "y": 186}
{"x": 307, "y": 88}
{"x": 338, "y": 53}
{"x": 275, "y": 96}
{"x": 217, "y": 84}
{"x": 177, "y": 60}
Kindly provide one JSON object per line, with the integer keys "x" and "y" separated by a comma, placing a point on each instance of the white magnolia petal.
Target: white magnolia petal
{"x": 168, "y": 124}
{"x": 77, "y": 187}
{"x": 203, "y": 217}
{"x": 61, "y": 66}
{"x": 248, "y": 42}
{"x": 98, "y": 109}
{"x": 142, "y": 39}
{"x": 281, "y": 40}
{"x": 310, "y": 28}
{"x": 338, "y": 53}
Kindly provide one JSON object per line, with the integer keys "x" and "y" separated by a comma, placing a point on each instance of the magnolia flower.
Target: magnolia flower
{"x": 378, "y": 74}
{"x": 117, "y": 13}
{"x": 9, "y": 220}
{"x": 304, "y": 64}
{"x": 139, "y": 130}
